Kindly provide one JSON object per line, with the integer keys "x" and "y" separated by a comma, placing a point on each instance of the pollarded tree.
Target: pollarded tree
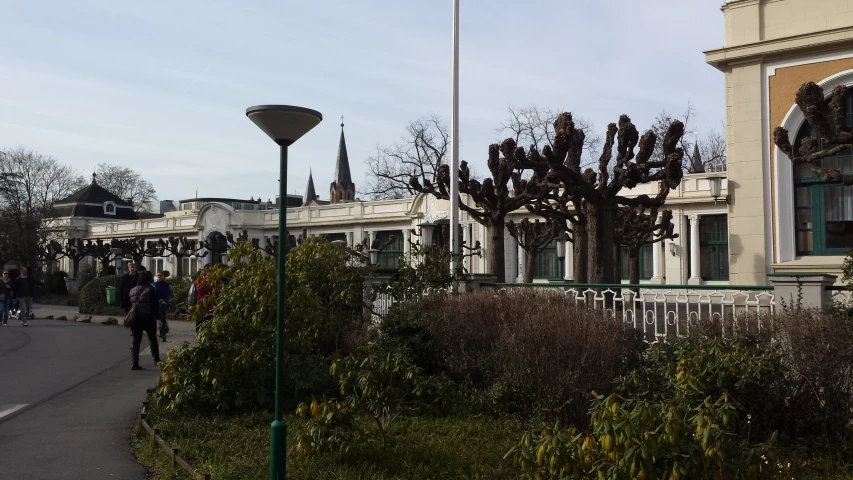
{"x": 835, "y": 132}
{"x": 100, "y": 250}
{"x": 532, "y": 237}
{"x": 75, "y": 250}
{"x": 493, "y": 197}
{"x": 180, "y": 247}
{"x": 598, "y": 195}
{"x": 635, "y": 228}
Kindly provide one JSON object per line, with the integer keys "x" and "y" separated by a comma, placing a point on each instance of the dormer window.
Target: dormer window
{"x": 109, "y": 208}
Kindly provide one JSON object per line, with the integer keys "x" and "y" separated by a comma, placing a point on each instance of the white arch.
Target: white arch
{"x": 783, "y": 201}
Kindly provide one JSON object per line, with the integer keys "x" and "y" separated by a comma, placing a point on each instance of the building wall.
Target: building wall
{"x": 751, "y": 21}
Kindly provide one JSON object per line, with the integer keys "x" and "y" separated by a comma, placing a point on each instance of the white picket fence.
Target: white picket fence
{"x": 673, "y": 311}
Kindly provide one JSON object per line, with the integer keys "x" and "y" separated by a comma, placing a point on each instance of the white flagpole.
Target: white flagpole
{"x": 454, "y": 145}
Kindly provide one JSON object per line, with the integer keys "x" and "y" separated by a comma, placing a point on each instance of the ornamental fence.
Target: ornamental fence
{"x": 665, "y": 311}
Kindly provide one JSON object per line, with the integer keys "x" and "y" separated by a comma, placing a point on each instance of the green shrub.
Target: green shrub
{"x": 54, "y": 283}
{"x": 532, "y": 351}
{"x": 232, "y": 367}
{"x": 687, "y": 414}
{"x": 86, "y": 274}
{"x": 180, "y": 288}
{"x": 92, "y": 298}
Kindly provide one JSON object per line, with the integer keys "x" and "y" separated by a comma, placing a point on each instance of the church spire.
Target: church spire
{"x": 310, "y": 194}
{"x": 696, "y": 162}
{"x": 342, "y": 188}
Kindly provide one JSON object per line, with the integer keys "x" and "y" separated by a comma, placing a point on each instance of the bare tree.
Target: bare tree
{"x": 835, "y": 132}
{"x": 127, "y": 184}
{"x": 532, "y": 237}
{"x": 32, "y": 183}
{"x": 636, "y": 228}
{"x": 493, "y": 197}
{"x": 533, "y": 126}
{"x": 711, "y": 145}
{"x": 419, "y": 153}
{"x": 596, "y": 194}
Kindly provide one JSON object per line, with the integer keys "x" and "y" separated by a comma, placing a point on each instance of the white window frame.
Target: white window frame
{"x": 109, "y": 204}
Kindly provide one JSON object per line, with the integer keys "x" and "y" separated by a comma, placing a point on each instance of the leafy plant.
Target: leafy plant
{"x": 680, "y": 417}
{"x": 180, "y": 288}
{"x": 232, "y": 366}
{"x": 382, "y": 386}
{"x": 86, "y": 274}
{"x": 92, "y": 298}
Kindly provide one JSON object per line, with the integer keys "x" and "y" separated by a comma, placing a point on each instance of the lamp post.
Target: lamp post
{"x": 454, "y": 146}
{"x": 117, "y": 253}
{"x": 284, "y": 124}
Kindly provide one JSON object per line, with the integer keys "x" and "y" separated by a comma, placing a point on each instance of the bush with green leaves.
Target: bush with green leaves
{"x": 54, "y": 283}
{"x": 180, "y": 288}
{"x": 693, "y": 412}
{"x": 86, "y": 274}
{"x": 232, "y": 365}
{"x": 382, "y": 386}
{"x": 92, "y": 298}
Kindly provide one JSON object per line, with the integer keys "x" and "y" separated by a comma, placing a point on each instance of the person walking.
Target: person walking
{"x": 144, "y": 297}
{"x": 6, "y": 295}
{"x": 25, "y": 287}
{"x": 164, "y": 291}
{"x": 128, "y": 282}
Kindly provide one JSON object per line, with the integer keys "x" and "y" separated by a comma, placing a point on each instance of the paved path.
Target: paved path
{"x": 68, "y": 397}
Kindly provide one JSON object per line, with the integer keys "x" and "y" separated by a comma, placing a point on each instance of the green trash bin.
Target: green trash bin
{"x": 111, "y": 295}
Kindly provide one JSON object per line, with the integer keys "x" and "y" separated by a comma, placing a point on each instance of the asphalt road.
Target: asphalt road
{"x": 68, "y": 400}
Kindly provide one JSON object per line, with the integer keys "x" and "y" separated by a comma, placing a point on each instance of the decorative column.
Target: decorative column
{"x": 522, "y": 263}
{"x": 569, "y": 274}
{"x": 407, "y": 237}
{"x": 657, "y": 276}
{"x": 370, "y": 236}
{"x": 695, "y": 277}
{"x": 483, "y": 247}
{"x": 349, "y": 239}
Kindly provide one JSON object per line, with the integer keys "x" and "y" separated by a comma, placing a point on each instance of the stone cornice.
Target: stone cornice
{"x": 827, "y": 40}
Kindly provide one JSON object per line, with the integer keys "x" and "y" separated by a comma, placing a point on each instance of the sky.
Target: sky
{"x": 162, "y": 86}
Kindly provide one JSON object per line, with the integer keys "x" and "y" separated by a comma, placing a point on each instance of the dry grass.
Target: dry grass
{"x": 532, "y": 351}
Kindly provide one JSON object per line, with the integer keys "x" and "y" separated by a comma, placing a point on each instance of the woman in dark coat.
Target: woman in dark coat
{"x": 144, "y": 296}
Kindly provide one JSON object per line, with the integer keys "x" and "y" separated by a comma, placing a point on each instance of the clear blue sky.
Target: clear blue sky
{"x": 162, "y": 86}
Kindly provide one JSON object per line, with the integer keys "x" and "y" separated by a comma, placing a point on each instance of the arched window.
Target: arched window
{"x": 823, "y": 211}
{"x": 109, "y": 208}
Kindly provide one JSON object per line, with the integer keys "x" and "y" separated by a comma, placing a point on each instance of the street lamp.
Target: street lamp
{"x": 426, "y": 232}
{"x": 561, "y": 246}
{"x": 284, "y": 124}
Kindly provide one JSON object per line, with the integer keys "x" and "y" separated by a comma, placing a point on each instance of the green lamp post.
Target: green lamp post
{"x": 284, "y": 124}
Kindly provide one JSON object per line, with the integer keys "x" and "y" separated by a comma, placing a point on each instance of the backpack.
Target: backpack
{"x": 140, "y": 305}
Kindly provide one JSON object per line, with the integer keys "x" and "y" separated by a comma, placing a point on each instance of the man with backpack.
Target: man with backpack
{"x": 144, "y": 310}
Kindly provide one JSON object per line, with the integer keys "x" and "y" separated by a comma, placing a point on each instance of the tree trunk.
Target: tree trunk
{"x": 634, "y": 267}
{"x": 600, "y": 223}
{"x": 137, "y": 258}
{"x": 75, "y": 267}
{"x": 579, "y": 253}
{"x": 496, "y": 249}
{"x": 529, "y": 266}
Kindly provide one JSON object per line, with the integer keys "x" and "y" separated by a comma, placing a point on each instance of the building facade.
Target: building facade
{"x": 781, "y": 220}
{"x": 766, "y": 218}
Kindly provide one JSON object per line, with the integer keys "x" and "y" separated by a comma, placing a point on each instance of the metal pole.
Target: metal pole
{"x": 454, "y": 146}
{"x": 278, "y": 429}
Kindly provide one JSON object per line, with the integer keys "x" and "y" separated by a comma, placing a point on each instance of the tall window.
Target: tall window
{"x": 646, "y": 268}
{"x": 390, "y": 255}
{"x": 548, "y": 266}
{"x": 823, "y": 211}
{"x": 190, "y": 265}
{"x": 156, "y": 264}
{"x": 713, "y": 247}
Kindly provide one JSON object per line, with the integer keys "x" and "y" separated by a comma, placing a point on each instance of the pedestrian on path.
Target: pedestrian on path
{"x": 6, "y": 296}
{"x": 163, "y": 294}
{"x": 25, "y": 289}
{"x": 144, "y": 297}
{"x": 128, "y": 282}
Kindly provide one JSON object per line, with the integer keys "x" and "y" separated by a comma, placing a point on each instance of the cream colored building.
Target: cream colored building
{"x": 780, "y": 220}
{"x": 767, "y": 218}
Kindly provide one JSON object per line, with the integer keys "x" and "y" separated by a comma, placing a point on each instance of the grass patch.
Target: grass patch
{"x": 420, "y": 448}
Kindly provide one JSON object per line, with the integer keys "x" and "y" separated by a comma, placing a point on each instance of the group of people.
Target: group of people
{"x": 16, "y": 297}
{"x": 150, "y": 297}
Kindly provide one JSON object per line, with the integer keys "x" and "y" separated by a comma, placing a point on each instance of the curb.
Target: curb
{"x": 172, "y": 452}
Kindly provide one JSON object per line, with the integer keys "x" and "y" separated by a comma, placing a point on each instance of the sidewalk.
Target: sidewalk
{"x": 179, "y": 330}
